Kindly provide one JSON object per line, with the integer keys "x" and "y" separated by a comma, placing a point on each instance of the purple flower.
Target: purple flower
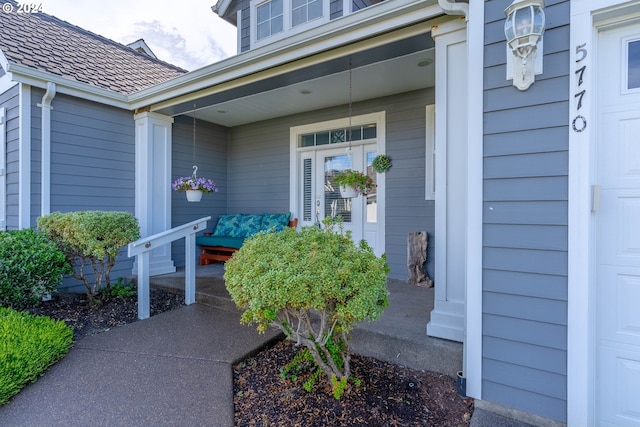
{"x": 185, "y": 183}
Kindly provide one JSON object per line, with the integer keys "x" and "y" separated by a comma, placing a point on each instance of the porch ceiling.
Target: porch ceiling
{"x": 397, "y": 67}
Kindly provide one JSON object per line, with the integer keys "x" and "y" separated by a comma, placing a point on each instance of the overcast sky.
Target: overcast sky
{"x": 185, "y": 33}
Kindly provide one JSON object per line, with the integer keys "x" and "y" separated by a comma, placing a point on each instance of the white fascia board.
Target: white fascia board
{"x": 4, "y": 62}
{"x": 6, "y": 83}
{"x": 374, "y": 20}
{"x": 37, "y": 78}
{"x": 220, "y": 8}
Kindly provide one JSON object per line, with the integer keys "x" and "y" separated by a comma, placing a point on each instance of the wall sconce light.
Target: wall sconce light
{"x": 523, "y": 28}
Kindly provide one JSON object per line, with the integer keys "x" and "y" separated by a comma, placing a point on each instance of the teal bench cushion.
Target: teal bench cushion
{"x": 249, "y": 225}
{"x": 226, "y": 241}
{"x": 275, "y": 222}
{"x": 228, "y": 225}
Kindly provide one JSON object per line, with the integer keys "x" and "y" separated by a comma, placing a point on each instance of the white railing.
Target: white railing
{"x": 141, "y": 249}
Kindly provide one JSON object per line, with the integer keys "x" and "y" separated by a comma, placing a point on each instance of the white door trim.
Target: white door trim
{"x": 587, "y": 16}
{"x": 472, "y": 346}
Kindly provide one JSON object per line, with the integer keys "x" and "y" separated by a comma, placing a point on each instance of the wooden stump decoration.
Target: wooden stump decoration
{"x": 416, "y": 257}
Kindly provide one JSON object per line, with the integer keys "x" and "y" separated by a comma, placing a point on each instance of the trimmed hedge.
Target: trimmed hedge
{"x": 29, "y": 345}
{"x": 31, "y": 267}
{"x": 91, "y": 238}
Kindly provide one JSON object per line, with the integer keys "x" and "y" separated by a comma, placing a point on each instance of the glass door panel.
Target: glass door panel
{"x": 334, "y": 204}
{"x": 371, "y": 209}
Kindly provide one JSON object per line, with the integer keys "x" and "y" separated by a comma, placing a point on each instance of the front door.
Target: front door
{"x": 359, "y": 214}
{"x": 318, "y": 152}
{"x": 617, "y": 228}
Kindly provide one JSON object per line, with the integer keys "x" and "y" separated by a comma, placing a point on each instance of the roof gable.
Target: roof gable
{"x": 46, "y": 43}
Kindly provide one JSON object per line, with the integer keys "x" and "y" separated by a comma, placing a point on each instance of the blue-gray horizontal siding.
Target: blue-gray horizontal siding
{"x": 11, "y": 101}
{"x": 244, "y": 26}
{"x": 211, "y": 159}
{"x": 258, "y": 169}
{"x": 525, "y": 239}
{"x": 92, "y": 163}
{"x": 36, "y": 155}
{"x": 335, "y": 9}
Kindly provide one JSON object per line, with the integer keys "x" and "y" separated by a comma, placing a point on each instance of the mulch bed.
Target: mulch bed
{"x": 389, "y": 395}
{"x": 86, "y": 319}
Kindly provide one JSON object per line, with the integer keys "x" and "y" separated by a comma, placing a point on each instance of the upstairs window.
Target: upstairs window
{"x": 304, "y": 11}
{"x": 270, "y": 18}
{"x": 273, "y": 20}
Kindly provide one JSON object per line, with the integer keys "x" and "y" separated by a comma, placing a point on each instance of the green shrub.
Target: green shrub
{"x": 284, "y": 279}
{"x": 29, "y": 345}
{"x": 121, "y": 289}
{"x": 91, "y": 238}
{"x": 31, "y": 267}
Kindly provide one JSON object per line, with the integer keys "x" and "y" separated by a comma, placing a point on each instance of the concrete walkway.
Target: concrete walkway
{"x": 175, "y": 369}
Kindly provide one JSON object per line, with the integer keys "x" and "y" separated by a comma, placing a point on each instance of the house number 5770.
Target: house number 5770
{"x": 579, "y": 122}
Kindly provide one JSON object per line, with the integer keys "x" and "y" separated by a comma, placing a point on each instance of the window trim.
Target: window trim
{"x": 288, "y": 28}
{"x": 625, "y": 68}
{"x": 272, "y": 17}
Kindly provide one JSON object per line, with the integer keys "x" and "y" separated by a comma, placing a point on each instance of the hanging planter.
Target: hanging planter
{"x": 348, "y": 192}
{"x": 194, "y": 187}
{"x": 354, "y": 180}
{"x": 381, "y": 163}
{"x": 194, "y": 195}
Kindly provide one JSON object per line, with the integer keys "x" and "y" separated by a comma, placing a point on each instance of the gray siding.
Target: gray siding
{"x": 11, "y": 101}
{"x": 92, "y": 162}
{"x": 211, "y": 159}
{"x": 244, "y": 26}
{"x": 36, "y": 155}
{"x": 258, "y": 168}
{"x": 525, "y": 223}
{"x": 335, "y": 9}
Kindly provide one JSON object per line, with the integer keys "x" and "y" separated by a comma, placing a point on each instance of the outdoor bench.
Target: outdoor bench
{"x": 232, "y": 230}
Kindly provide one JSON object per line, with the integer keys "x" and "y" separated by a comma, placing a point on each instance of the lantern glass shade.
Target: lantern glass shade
{"x": 523, "y": 29}
{"x": 524, "y": 25}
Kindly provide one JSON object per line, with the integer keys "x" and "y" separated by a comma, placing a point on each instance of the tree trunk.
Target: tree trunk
{"x": 416, "y": 257}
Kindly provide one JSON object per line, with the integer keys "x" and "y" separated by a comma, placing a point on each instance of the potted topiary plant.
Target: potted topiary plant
{"x": 381, "y": 163}
{"x": 353, "y": 183}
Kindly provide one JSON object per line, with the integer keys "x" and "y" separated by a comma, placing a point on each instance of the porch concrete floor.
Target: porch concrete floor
{"x": 399, "y": 336}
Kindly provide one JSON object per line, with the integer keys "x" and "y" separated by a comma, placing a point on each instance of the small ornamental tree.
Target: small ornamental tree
{"x": 314, "y": 285}
{"x": 91, "y": 238}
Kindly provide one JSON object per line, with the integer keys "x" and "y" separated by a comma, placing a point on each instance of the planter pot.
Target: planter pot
{"x": 348, "y": 192}
{"x": 194, "y": 195}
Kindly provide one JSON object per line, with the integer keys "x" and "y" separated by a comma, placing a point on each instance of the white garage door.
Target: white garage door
{"x": 617, "y": 222}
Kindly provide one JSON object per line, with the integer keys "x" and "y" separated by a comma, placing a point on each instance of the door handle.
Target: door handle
{"x": 595, "y": 198}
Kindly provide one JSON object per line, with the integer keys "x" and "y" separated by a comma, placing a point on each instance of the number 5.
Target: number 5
{"x": 580, "y": 50}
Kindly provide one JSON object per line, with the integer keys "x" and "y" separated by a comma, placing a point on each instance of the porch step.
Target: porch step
{"x": 211, "y": 292}
{"x": 427, "y": 354}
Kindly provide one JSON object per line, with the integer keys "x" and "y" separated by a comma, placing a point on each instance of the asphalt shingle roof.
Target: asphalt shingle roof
{"x": 46, "y": 43}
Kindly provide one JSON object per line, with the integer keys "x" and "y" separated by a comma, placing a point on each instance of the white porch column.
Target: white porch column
{"x": 447, "y": 317}
{"x": 153, "y": 185}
